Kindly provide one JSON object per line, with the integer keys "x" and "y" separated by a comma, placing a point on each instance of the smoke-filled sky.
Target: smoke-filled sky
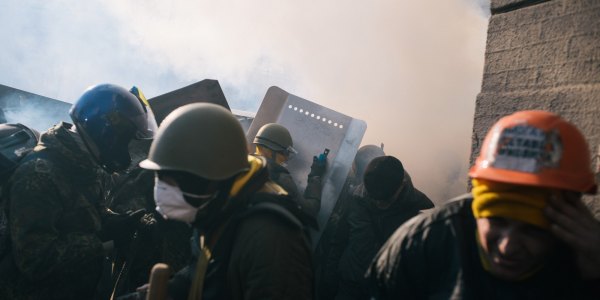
{"x": 410, "y": 69}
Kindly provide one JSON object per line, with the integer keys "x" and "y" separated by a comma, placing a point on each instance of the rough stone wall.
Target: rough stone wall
{"x": 542, "y": 55}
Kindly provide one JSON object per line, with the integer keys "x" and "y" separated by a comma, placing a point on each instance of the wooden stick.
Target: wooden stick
{"x": 159, "y": 281}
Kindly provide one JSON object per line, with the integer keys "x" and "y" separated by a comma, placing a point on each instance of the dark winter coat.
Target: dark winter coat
{"x": 369, "y": 229}
{"x": 332, "y": 244}
{"x": 261, "y": 252}
{"x": 435, "y": 256}
{"x": 53, "y": 199}
{"x": 160, "y": 240}
{"x": 310, "y": 200}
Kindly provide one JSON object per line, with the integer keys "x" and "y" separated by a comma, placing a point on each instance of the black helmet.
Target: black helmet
{"x": 108, "y": 117}
{"x": 16, "y": 140}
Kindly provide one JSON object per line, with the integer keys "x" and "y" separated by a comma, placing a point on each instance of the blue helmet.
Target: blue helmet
{"x": 107, "y": 118}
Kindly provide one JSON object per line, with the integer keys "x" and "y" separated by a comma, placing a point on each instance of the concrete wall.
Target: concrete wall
{"x": 542, "y": 55}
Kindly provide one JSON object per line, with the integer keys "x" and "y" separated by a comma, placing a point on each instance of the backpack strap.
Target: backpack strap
{"x": 276, "y": 210}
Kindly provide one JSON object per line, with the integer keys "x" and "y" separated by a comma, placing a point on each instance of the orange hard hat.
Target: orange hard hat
{"x": 536, "y": 148}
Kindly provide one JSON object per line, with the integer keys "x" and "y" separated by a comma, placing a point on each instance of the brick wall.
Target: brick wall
{"x": 542, "y": 55}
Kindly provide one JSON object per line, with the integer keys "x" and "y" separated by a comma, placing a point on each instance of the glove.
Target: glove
{"x": 120, "y": 227}
{"x": 319, "y": 166}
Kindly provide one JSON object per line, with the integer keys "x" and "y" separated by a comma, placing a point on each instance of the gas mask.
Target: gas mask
{"x": 171, "y": 203}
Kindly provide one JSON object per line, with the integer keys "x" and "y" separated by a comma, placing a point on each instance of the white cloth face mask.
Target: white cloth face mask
{"x": 171, "y": 204}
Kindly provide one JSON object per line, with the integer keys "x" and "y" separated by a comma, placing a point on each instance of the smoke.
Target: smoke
{"x": 483, "y": 5}
{"x": 36, "y": 113}
{"x": 411, "y": 69}
{"x": 59, "y": 48}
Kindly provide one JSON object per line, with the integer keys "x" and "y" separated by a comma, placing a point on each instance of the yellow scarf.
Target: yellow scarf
{"x": 241, "y": 180}
{"x": 517, "y": 202}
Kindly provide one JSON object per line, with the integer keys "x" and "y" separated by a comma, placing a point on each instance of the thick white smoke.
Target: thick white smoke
{"x": 411, "y": 69}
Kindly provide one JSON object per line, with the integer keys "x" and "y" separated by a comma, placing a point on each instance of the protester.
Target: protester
{"x": 522, "y": 233}
{"x": 158, "y": 240}
{"x": 385, "y": 200}
{"x": 334, "y": 238}
{"x": 248, "y": 241}
{"x": 16, "y": 141}
{"x": 274, "y": 142}
{"x": 56, "y": 218}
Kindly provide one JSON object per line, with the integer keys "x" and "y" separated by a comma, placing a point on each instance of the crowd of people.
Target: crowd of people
{"x": 88, "y": 208}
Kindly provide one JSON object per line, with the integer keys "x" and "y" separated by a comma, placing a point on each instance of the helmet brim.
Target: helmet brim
{"x": 573, "y": 183}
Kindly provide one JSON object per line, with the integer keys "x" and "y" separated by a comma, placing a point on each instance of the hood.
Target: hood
{"x": 409, "y": 197}
{"x": 61, "y": 140}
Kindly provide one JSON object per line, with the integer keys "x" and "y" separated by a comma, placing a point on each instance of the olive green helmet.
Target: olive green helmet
{"x": 202, "y": 139}
{"x": 276, "y": 138}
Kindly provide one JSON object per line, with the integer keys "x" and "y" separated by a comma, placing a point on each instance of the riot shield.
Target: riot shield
{"x": 314, "y": 128}
{"x": 41, "y": 112}
{"x": 245, "y": 118}
{"x": 205, "y": 91}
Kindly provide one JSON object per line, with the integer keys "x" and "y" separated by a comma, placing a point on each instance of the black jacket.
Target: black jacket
{"x": 332, "y": 244}
{"x": 260, "y": 251}
{"x": 310, "y": 200}
{"x": 435, "y": 256}
{"x": 54, "y": 199}
{"x": 370, "y": 227}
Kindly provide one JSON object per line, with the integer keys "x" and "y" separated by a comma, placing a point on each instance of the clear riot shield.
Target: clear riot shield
{"x": 313, "y": 128}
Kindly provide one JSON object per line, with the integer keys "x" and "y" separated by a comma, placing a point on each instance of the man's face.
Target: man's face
{"x": 386, "y": 203}
{"x": 513, "y": 248}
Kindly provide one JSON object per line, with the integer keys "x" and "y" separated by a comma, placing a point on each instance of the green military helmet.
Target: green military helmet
{"x": 202, "y": 139}
{"x": 275, "y": 137}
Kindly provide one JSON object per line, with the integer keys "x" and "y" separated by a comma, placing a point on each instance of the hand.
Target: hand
{"x": 143, "y": 288}
{"x": 120, "y": 227}
{"x": 319, "y": 166}
{"x": 573, "y": 223}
